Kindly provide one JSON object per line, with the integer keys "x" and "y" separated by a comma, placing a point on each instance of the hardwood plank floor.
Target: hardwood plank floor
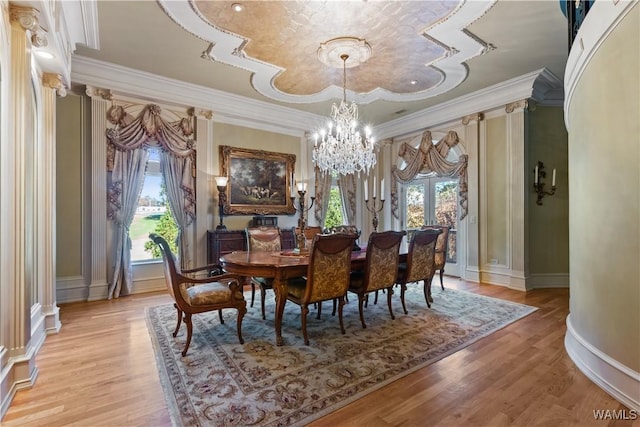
{"x": 100, "y": 370}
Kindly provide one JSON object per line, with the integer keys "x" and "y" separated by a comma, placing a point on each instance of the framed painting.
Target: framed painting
{"x": 259, "y": 181}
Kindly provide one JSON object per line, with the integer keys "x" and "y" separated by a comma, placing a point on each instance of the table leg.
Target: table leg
{"x": 280, "y": 289}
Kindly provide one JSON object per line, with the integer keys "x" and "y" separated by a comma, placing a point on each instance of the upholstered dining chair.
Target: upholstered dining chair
{"x": 192, "y": 296}
{"x": 380, "y": 268}
{"x": 262, "y": 239}
{"x": 327, "y": 276}
{"x": 442, "y": 248}
{"x": 309, "y": 233}
{"x": 420, "y": 263}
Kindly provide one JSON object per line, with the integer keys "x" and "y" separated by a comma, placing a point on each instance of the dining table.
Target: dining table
{"x": 281, "y": 266}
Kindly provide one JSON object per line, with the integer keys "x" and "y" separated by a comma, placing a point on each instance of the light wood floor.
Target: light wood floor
{"x": 100, "y": 371}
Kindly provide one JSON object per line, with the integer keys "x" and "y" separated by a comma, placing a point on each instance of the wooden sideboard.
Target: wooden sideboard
{"x": 222, "y": 242}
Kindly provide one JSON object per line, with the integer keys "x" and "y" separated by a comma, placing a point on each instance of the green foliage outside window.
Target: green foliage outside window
{"x": 166, "y": 228}
{"x": 334, "y": 211}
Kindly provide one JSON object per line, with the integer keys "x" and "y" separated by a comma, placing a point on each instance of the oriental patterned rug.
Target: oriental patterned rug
{"x": 223, "y": 383}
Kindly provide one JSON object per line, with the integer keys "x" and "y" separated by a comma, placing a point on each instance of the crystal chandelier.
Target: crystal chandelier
{"x": 342, "y": 147}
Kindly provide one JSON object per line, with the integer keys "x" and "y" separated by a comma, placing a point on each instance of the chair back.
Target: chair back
{"x": 381, "y": 262}
{"x": 263, "y": 239}
{"x": 329, "y": 267}
{"x": 421, "y": 255}
{"x": 442, "y": 244}
{"x": 309, "y": 232}
{"x": 170, "y": 266}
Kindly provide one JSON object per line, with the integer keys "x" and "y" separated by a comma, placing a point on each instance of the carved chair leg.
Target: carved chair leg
{"x": 253, "y": 292}
{"x": 403, "y": 289}
{"x": 361, "y": 299}
{"x": 427, "y": 291}
{"x": 304, "y": 309}
{"x": 389, "y": 294}
{"x": 187, "y": 321}
{"x": 175, "y": 332}
{"x": 319, "y": 310}
{"x": 341, "y": 305}
{"x": 241, "y": 312}
{"x": 441, "y": 273}
{"x": 220, "y": 316}
{"x": 375, "y": 299}
{"x": 263, "y": 296}
{"x": 333, "y": 313}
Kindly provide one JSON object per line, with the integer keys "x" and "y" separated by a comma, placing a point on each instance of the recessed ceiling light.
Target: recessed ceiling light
{"x": 237, "y": 7}
{"x": 44, "y": 54}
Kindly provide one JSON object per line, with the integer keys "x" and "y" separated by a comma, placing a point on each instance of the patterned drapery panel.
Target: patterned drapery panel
{"x": 427, "y": 158}
{"x": 347, "y": 186}
{"x": 323, "y": 190}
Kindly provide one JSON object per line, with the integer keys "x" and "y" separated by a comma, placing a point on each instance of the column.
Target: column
{"x": 206, "y": 206}
{"x": 100, "y": 102}
{"x": 516, "y": 128}
{"x": 46, "y": 202}
{"x": 472, "y": 132}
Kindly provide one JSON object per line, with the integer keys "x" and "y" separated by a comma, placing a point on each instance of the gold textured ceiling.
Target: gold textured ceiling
{"x": 288, "y": 34}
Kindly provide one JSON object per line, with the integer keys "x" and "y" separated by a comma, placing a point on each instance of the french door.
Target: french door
{"x": 434, "y": 201}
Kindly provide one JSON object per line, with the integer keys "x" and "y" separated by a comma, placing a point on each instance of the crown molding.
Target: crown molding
{"x": 227, "y": 108}
{"x": 540, "y": 85}
{"x": 600, "y": 22}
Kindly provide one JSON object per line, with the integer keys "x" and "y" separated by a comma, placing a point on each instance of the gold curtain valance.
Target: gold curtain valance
{"x": 427, "y": 158}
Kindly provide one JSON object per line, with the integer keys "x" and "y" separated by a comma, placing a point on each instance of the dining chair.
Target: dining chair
{"x": 262, "y": 239}
{"x": 309, "y": 233}
{"x": 327, "y": 276}
{"x": 420, "y": 264}
{"x": 380, "y": 268}
{"x": 192, "y": 296}
{"x": 442, "y": 248}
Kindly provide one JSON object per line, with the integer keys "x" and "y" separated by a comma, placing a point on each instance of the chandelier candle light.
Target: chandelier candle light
{"x": 343, "y": 147}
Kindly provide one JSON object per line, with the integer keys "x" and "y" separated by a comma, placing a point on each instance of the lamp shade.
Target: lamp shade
{"x": 221, "y": 181}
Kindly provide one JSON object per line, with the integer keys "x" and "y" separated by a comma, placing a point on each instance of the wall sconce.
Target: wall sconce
{"x": 221, "y": 183}
{"x": 538, "y": 175}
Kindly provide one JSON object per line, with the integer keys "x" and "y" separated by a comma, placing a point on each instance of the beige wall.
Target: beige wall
{"x": 69, "y": 186}
{"x": 236, "y": 136}
{"x": 549, "y": 223}
{"x": 604, "y": 175}
{"x": 497, "y": 180}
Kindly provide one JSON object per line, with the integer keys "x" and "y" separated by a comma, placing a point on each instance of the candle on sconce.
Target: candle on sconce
{"x": 553, "y": 179}
{"x": 366, "y": 190}
{"x": 375, "y": 186}
{"x": 382, "y": 189}
{"x": 535, "y": 175}
{"x": 292, "y": 185}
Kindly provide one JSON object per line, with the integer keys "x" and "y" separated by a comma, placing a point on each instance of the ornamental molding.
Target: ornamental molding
{"x": 200, "y": 112}
{"x": 477, "y": 117}
{"x": 54, "y": 81}
{"x": 27, "y": 18}
{"x": 96, "y": 92}
{"x": 513, "y": 106}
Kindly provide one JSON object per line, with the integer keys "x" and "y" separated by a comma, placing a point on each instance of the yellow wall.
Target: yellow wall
{"x": 549, "y": 223}
{"x": 497, "y": 178}
{"x": 236, "y": 136}
{"x": 69, "y": 186}
{"x": 604, "y": 173}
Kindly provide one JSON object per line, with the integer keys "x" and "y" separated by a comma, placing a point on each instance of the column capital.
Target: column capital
{"x": 199, "y": 112}
{"x": 54, "y": 81}
{"x": 472, "y": 117}
{"x": 27, "y": 18}
{"x": 512, "y": 106}
{"x": 97, "y": 92}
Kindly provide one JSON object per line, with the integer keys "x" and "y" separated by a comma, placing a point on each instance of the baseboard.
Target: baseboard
{"x": 549, "y": 280}
{"x": 505, "y": 278}
{"x": 619, "y": 381}
{"x": 13, "y": 380}
{"x": 71, "y": 289}
{"x": 472, "y": 274}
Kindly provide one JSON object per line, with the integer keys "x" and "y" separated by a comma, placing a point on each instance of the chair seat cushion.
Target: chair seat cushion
{"x": 265, "y": 282}
{"x": 209, "y": 294}
{"x": 297, "y": 287}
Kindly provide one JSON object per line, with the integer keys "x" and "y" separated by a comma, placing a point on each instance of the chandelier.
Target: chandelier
{"x": 343, "y": 147}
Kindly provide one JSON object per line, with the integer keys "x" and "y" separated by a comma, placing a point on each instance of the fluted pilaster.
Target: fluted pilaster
{"x": 205, "y": 159}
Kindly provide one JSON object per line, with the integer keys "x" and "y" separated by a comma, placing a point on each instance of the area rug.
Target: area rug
{"x": 223, "y": 383}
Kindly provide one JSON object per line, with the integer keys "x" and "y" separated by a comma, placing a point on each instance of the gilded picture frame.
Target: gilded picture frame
{"x": 259, "y": 182}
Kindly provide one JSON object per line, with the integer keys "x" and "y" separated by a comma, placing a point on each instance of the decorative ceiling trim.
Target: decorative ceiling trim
{"x": 227, "y": 108}
{"x": 451, "y": 33}
{"x": 534, "y": 85}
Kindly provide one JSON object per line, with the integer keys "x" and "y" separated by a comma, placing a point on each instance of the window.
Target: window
{"x": 334, "y": 214}
{"x": 153, "y": 214}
